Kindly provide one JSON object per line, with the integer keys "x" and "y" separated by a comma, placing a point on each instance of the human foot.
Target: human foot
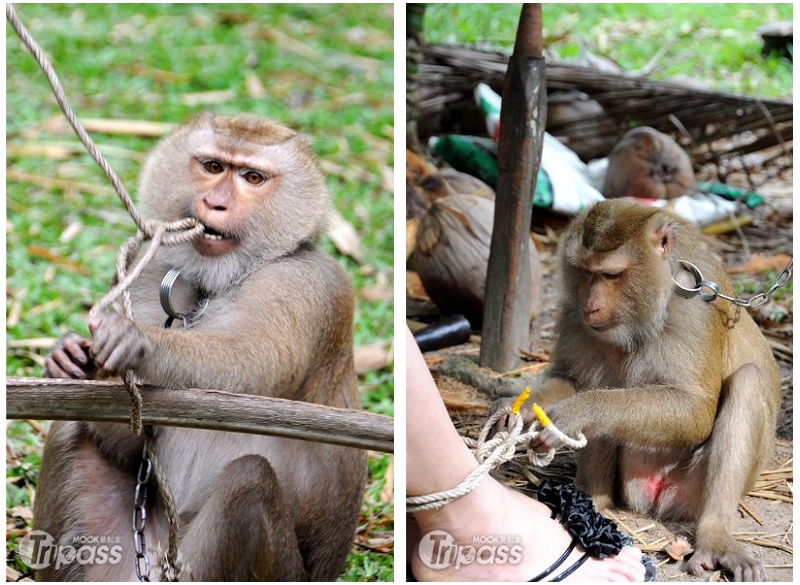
{"x": 498, "y": 534}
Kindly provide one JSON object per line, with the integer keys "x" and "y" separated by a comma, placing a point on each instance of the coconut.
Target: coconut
{"x": 452, "y": 254}
{"x": 648, "y": 164}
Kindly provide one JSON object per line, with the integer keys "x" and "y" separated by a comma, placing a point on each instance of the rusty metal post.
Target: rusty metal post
{"x": 506, "y": 317}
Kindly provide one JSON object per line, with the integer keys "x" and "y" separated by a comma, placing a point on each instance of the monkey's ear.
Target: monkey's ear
{"x": 663, "y": 239}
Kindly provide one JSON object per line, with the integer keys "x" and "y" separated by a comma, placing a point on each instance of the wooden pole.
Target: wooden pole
{"x": 506, "y": 317}
{"x": 104, "y": 401}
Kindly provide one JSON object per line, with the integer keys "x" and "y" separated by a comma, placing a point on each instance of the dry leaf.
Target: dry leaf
{"x": 43, "y": 252}
{"x": 387, "y": 178}
{"x": 255, "y": 89}
{"x": 412, "y": 225}
{"x": 377, "y": 293}
{"x": 69, "y": 233}
{"x": 21, "y": 512}
{"x": 381, "y": 542}
{"x": 345, "y": 237}
{"x": 14, "y": 314}
{"x": 57, "y": 124}
{"x": 208, "y": 97}
{"x": 50, "y": 151}
{"x": 387, "y": 492}
{"x": 678, "y": 548}
{"x": 372, "y": 357}
{"x": 157, "y": 75}
{"x": 12, "y": 575}
{"x": 64, "y": 184}
{"x": 759, "y": 263}
{"x": 414, "y": 288}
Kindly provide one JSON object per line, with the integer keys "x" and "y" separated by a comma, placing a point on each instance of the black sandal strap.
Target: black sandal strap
{"x": 573, "y": 568}
{"x": 555, "y": 565}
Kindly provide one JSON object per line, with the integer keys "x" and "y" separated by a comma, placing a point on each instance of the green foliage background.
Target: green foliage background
{"x": 715, "y": 44}
{"x": 324, "y": 69}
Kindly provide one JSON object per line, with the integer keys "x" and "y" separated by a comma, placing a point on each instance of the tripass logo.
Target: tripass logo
{"x": 439, "y": 550}
{"x": 39, "y": 550}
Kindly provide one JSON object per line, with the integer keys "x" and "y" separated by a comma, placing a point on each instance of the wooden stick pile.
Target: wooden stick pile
{"x": 728, "y": 132}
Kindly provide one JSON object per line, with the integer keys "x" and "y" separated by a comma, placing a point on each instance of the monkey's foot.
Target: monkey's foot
{"x": 741, "y": 566}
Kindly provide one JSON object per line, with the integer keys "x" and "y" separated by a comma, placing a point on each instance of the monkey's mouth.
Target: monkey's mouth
{"x": 213, "y": 242}
{"x": 602, "y": 326}
{"x": 212, "y": 234}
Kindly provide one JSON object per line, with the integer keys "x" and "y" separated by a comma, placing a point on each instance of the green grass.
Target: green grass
{"x": 326, "y": 70}
{"x": 715, "y": 44}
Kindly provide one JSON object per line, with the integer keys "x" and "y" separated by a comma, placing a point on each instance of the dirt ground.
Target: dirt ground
{"x": 764, "y": 522}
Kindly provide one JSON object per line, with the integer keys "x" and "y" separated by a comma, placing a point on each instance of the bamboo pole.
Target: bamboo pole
{"x": 107, "y": 401}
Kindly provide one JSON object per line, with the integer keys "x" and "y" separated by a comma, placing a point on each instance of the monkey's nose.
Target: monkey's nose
{"x": 213, "y": 204}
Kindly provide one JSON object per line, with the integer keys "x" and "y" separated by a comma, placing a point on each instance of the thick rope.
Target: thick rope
{"x": 493, "y": 452}
{"x": 170, "y": 563}
{"x": 167, "y": 233}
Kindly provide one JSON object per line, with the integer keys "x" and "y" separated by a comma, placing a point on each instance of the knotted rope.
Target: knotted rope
{"x": 501, "y": 447}
{"x": 159, "y": 232}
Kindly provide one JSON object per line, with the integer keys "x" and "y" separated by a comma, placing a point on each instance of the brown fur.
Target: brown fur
{"x": 279, "y": 323}
{"x": 677, "y": 397}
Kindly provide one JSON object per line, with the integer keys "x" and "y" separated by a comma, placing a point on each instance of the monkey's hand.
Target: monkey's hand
{"x": 559, "y": 417}
{"x": 70, "y": 359}
{"x": 118, "y": 344}
{"x": 505, "y": 405}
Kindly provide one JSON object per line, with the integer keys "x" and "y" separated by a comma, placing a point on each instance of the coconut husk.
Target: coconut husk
{"x": 648, "y": 163}
{"x": 452, "y": 253}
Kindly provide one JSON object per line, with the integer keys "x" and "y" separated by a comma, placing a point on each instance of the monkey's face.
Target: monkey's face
{"x": 616, "y": 272}
{"x": 229, "y": 190}
{"x": 599, "y": 283}
{"x": 254, "y": 185}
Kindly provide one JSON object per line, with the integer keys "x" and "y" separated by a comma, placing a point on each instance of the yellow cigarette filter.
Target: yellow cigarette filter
{"x": 523, "y": 396}
{"x": 541, "y": 415}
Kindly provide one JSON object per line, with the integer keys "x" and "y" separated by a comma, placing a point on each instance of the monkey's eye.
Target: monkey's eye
{"x": 612, "y": 275}
{"x": 214, "y": 167}
{"x": 254, "y": 178}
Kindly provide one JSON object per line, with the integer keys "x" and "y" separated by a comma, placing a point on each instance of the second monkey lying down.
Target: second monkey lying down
{"x": 677, "y": 396}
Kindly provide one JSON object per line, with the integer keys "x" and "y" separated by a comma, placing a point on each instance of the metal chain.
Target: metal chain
{"x": 172, "y": 564}
{"x": 713, "y": 291}
{"x": 140, "y": 516}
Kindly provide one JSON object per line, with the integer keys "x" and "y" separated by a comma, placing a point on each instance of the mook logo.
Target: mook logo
{"x": 39, "y": 550}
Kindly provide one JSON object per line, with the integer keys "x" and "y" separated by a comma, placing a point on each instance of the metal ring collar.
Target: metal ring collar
{"x": 164, "y": 294}
{"x": 700, "y": 284}
{"x": 165, "y": 291}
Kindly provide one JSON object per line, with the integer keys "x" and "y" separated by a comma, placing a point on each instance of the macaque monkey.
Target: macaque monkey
{"x": 278, "y": 322}
{"x": 678, "y": 397}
